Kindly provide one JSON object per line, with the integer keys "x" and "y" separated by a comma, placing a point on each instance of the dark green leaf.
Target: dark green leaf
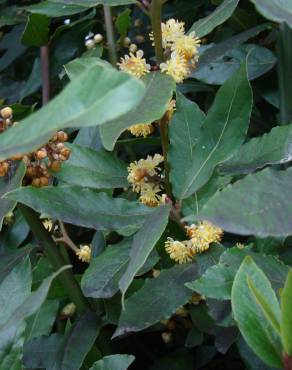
{"x": 254, "y": 205}
{"x": 220, "y": 49}
{"x": 260, "y": 60}
{"x": 206, "y": 25}
{"x": 42, "y": 321}
{"x": 113, "y": 362}
{"x": 143, "y": 243}
{"x": 157, "y": 299}
{"x": 101, "y": 279}
{"x": 184, "y": 130}
{"x": 84, "y": 207}
{"x": 123, "y": 22}
{"x": 92, "y": 97}
{"x": 11, "y": 52}
{"x": 64, "y": 353}
{"x": 9, "y": 259}
{"x": 36, "y": 31}
{"x": 159, "y": 90}
{"x": 253, "y": 323}
{"x": 94, "y": 169}
{"x": 222, "y": 132}
{"x": 271, "y": 148}
{"x": 54, "y": 9}
{"x": 7, "y": 184}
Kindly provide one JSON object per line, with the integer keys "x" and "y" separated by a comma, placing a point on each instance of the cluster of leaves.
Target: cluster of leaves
{"x": 228, "y": 158}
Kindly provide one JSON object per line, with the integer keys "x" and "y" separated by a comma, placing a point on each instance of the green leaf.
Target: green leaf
{"x": 94, "y": 3}
{"x": 260, "y": 60}
{"x": 220, "y": 49}
{"x": 101, "y": 279}
{"x": 11, "y": 53}
{"x": 54, "y": 9}
{"x": 36, "y": 31}
{"x": 158, "y": 299}
{"x": 79, "y": 65}
{"x": 271, "y": 148}
{"x": 159, "y": 90}
{"x": 64, "y": 353}
{"x": 84, "y": 207}
{"x": 251, "y": 315}
{"x": 206, "y": 25}
{"x": 113, "y": 362}
{"x": 215, "y": 283}
{"x": 123, "y": 22}
{"x": 275, "y": 10}
{"x": 184, "y": 130}
{"x": 222, "y": 132}
{"x": 86, "y": 101}
{"x": 7, "y": 184}
{"x": 143, "y": 243}
{"x": 249, "y": 207}
{"x": 286, "y": 317}
{"x": 93, "y": 169}
{"x": 15, "y": 289}
{"x": 42, "y": 321}
{"x": 9, "y": 259}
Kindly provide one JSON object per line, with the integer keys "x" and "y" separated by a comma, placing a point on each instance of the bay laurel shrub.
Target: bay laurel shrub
{"x": 145, "y": 184}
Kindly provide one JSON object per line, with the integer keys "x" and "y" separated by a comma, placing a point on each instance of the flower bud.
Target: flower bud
{"x": 6, "y": 112}
{"x": 98, "y": 38}
{"x": 4, "y": 167}
{"x": 166, "y": 337}
{"x": 36, "y": 182}
{"x": 89, "y": 44}
{"x": 62, "y": 136}
{"x": 133, "y": 48}
{"x": 44, "y": 181}
{"x": 126, "y": 42}
{"x": 55, "y": 166}
{"x": 140, "y": 39}
{"x": 69, "y": 310}
{"x": 41, "y": 154}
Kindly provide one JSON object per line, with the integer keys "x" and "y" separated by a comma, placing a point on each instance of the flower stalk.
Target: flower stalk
{"x": 155, "y": 16}
{"x": 110, "y": 35}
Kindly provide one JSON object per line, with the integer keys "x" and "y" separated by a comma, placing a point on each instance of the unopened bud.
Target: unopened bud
{"x": 62, "y": 136}
{"x": 89, "y": 44}
{"x": 126, "y": 42}
{"x": 133, "y": 48}
{"x": 41, "y": 154}
{"x": 140, "y": 39}
{"x": 69, "y": 310}
{"x": 44, "y": 181}
{"x": 138, "y": 23}
{"x": 98, "y": 38}
{"x": 55, "y": 166}
{"x": 166, "y": 337}
{"x": 6, "y": 112}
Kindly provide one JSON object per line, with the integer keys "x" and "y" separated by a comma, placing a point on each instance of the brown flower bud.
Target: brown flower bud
{"x": 6, "y": 112}
{"x": 62, "y": 136}
{"x": 17, "y": 157}
{"x": 4, "y": 167}
{"x": 55, "y": 166}
{"x": 41, "y": 154}
{"x": 36, "y": 182}
{"x": 44, "y": 181}
{"x": 65, "y": 152}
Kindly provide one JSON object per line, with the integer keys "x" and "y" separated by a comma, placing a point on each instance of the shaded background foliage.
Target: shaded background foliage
{"x": 245, "y": 44}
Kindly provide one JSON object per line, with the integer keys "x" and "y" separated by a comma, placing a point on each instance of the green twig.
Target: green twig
{"x": 110, "y": 35}
{"x": 155, "y": 15}
{"x": 55, "y": 258}
{"x": 285, "y": 73}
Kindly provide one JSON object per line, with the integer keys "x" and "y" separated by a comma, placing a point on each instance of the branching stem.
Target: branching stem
{"x": 155, "y": 15}
{"x": 110, "y": 35}
{"x": 45, "y": 72}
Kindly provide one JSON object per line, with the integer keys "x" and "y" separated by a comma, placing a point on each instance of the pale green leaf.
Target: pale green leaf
{"x": 113, "y": 362}
{"x": 275, "y": 10}
{"x": 286, "y": 316}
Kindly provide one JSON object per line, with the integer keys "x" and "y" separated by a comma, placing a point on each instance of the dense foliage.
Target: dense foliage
{"x": 145, "y": 184}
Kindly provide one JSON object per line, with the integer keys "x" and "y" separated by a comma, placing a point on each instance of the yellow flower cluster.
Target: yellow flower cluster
{"x": 144, "y": 176}
{"x": 201, "y": 236}
{"x": 84, "y": 253}
{"x": 135, "y": 64}
{"x": 183, "y": 50}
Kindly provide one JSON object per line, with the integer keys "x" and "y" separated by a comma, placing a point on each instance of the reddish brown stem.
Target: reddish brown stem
{"x": 45, "y": 71}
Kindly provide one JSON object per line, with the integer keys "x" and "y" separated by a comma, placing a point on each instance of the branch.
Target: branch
{"x": 110, "y": 35}
{"x": 45, "y": 72}
{"x": 155, "y": 15}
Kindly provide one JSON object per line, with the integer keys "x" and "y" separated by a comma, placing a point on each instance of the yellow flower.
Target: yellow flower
{"x": 48, "y": 224}
{"x": 204, "y": 232}
{"x": 187, "y": 45}
{"x": 84, "y": 253}
{"x": 176, "y": 67}
{"x": 178, "y": 251}
{"x": 134, "y": 64}
{"x": 141, "y": 129}
{"x": 139, "y": 170}
{"x": 171, "y": 30}
{"x": 150, "y": 195}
